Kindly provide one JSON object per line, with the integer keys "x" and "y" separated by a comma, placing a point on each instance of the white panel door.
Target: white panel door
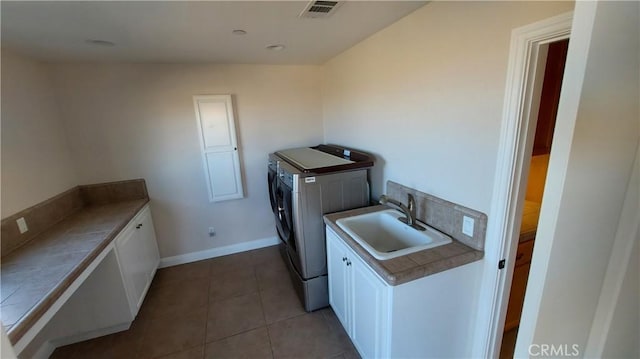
{"x": 219, "y": 165}
{"x": 151, "y": 253}
{"x": 131, "y": 254}
{"x": 215, "y": 125}
{"x": 219, "y": 147}
{"x": 368, "y": 308}
{"x": 338, "y": 283}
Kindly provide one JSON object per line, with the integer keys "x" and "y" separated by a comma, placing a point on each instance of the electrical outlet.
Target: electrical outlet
{"x": 22, "y": 225}
{"x": 467, "y": 225}
{"x": 212, "y": 231}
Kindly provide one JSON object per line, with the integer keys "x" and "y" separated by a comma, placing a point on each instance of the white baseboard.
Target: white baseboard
{"x": 218, "y": 252}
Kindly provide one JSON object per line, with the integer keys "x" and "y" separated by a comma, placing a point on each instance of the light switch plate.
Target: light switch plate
{"x": 467, "y": 225}
{"x": 22, "y": 225}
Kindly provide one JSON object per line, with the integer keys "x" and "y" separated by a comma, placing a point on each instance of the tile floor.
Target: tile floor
{"x": 237, "y": 306}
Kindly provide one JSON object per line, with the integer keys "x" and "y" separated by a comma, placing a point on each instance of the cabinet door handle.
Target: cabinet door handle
{"x": 344, "y": 259}
{"x": 349, "y": 263}
{"x": 139, "y": 225}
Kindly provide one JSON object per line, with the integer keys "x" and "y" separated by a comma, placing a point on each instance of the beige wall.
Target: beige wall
{"x": 130, "y": 121}
{"x": 426, "y": 96}
{"x": 36, "y": 162}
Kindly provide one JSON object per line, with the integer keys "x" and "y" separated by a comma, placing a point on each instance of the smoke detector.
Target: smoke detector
{"x": 320, "y": 9}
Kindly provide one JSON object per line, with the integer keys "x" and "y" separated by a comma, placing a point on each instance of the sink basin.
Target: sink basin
{"x": 385, "y": 237}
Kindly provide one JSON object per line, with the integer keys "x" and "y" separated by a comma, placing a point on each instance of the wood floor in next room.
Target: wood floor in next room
{"x": 237, "y": 306}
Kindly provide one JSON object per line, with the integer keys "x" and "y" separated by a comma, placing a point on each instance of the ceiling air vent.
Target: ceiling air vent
{"x": 320, "y": 8}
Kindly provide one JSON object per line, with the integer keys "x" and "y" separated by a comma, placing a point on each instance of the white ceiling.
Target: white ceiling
{"x": 190, "y": 31}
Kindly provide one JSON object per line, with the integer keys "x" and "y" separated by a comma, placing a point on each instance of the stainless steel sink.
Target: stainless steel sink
{"x": 385, "y": 237}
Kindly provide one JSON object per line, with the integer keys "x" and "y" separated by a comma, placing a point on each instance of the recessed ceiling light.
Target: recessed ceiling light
{"x": 239, "y": 32}
{"x": 277, "y": 47}
{"x": 100, "y": 42}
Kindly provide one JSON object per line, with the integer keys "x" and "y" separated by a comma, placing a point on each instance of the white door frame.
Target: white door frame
{"x": 516, "y": 142}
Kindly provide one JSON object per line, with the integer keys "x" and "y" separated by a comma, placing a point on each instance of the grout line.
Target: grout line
{"x": 209, "y": 302}
{"x": 177, "y": 352}
{"x": 145, "y": 326}
{"x": 264, "y": 314}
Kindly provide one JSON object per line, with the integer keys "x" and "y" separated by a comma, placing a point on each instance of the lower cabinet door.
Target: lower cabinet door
{"x": 131, "y": 252}
{"x": 358, "y": 297}
{"x": 138, "y": 256}
{"x": 151, "y": 256}
{"x": 337, "y": 269}
{"x": 368, "y": 307}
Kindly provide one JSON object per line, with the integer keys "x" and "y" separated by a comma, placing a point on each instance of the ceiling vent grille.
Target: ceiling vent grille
{"x": 320, "y": 9}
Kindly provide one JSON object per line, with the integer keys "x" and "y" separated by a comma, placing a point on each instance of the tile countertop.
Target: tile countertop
{"x": 409, "y": 267}
{"x": 35, "y": 275}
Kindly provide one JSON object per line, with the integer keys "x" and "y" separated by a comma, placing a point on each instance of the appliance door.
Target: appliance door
{"x": 284, "y": 215}
{"x": 272, "y": 182}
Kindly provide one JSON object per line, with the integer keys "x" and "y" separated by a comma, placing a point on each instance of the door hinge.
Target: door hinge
{"x": 501, "y": 264}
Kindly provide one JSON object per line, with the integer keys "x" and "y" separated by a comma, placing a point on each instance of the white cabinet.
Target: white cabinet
{"x": 369, "y": 303}
{"x": 424, "y": 318}
{"x": 219, "y": 146}
{"x": 337, "y": 269}
{"x": 358, "y": 297}
{"x": 138, "y": 256}
{"x": 105, "y": 297}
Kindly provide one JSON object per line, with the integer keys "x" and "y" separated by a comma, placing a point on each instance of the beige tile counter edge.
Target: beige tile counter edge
{"x": 409, "y": 267}
{"x": 18, "y": 329}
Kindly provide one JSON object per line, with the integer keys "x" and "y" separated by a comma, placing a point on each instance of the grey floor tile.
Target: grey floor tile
{"x": 280, "y": 303}
{"x": 339, "y": 332}
{"x": 272, "y": 275}
{"x": 351, "y": 354}
{"x": 233, "y": 316}
{"x": 193, "y": 353}
{"x": 181, "y": 273}
{"x": 125, "y": 344}
{"x": 231, "y": 263}
{"x": 173, "y": 334}
{"x": 239, "y": 306}
{"x": 175, "y": 298}
{"x": 234, "y": 283}
{"x": 266, "y": 255}
{"x": 64, "y": 352}
{"x": 93, "y": 348}
{"x": 332, "y": 320}
{"x": 251, "y": 344}
{"x": 306, "y": 336}
{"x": 119, "y": 345}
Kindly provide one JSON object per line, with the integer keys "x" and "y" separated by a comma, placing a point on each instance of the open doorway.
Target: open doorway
{"x": 545, "y": 106}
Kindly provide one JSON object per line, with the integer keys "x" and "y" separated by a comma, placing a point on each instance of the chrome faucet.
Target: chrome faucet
{"x": 409, "y": 210}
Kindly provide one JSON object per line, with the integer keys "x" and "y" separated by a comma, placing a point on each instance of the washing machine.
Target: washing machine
{"x": 305, "y": 184}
